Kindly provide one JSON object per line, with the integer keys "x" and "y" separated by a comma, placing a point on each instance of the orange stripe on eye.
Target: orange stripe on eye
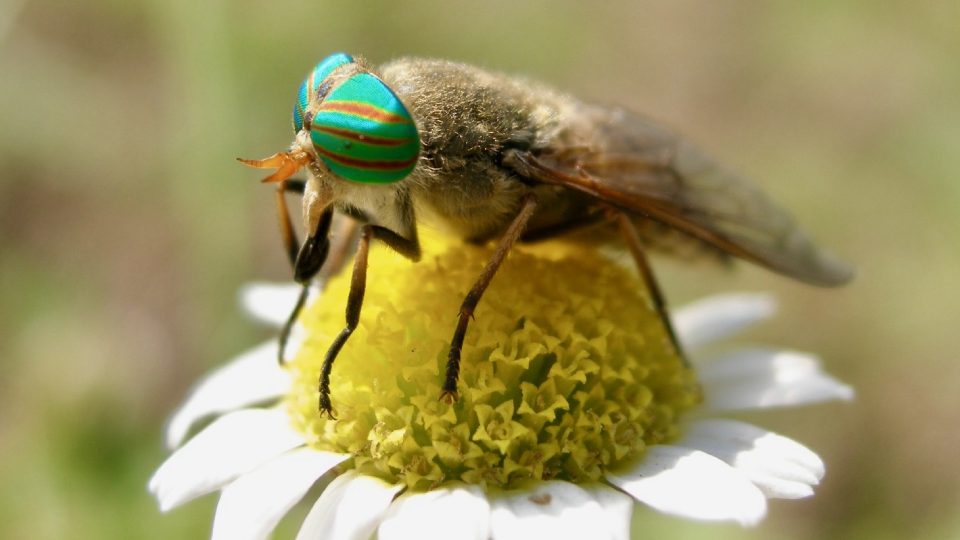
{"x": 354, "y": 136}
{"x": 363, "y": 110}
{"x": 374, "y": 165}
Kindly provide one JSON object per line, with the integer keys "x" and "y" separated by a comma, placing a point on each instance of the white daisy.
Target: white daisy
{"x": 573, "y": 407}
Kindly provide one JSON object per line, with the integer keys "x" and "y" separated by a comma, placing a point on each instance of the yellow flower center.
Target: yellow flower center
{"x": 566, "y": 370}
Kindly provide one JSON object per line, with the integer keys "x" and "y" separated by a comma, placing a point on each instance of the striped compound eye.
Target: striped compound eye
{"x": 363, "y": 133}
{"x": 309, "y": 87}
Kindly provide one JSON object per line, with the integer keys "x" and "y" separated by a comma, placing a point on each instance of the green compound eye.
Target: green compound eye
{"x": 312, "y": 82}
{"x": 363, "y": 133}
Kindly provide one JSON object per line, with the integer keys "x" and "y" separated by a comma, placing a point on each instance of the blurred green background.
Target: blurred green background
{"x": 126, "y": 226}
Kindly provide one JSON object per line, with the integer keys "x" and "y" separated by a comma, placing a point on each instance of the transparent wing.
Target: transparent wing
{"x": 639, "y": 166}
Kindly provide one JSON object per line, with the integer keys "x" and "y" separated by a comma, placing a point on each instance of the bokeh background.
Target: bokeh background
{"x": 126, "y": 226}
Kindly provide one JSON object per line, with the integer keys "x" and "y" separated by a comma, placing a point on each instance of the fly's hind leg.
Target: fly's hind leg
{"x": 449, "y": 393}
{"x": 632, "y": 238}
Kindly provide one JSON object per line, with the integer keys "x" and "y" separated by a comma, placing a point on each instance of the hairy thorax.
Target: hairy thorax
{"x": 468, "y": 119}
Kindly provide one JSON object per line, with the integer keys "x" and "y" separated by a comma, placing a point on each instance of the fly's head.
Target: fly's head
{"x": 350, "y": 129}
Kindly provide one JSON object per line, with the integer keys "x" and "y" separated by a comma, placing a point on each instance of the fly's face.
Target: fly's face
{"x": 348, "y": 125}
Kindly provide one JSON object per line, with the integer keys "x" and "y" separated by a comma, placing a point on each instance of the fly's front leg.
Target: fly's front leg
{"x": 339, "y": 250}
{"x": 290, "y": 242}
{"x": 294, "y": 253}
{"x": 358, "y": 285}
{"x": 632, "y": 238}
{"x": 449, "y": 393}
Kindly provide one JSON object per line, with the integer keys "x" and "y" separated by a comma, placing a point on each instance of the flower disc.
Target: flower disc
{"x": 551, "y": 385}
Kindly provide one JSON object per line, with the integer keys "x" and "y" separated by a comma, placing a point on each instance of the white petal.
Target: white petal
{"x": 253, "y": 377}
{"x": 350, "y": 508}
{"x": 617, "y": 507}
{"x": 691, "y": 484}
{"x": 454, "y": 513}
{"x": 719, "y": 316}
{"x": 780, "y": 467}
{"x": 765, "y": 378}
{"x": 271, "y": 303}
{"x": 553, "y": 509}
{"x": 232, "y": 445}
{"x": 251, "y": 507}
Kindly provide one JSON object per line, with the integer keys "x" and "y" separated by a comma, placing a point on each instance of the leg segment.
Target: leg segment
{"x": 449, "y": 393}
{"x": 344, "y": 238}
{"x": 292, "y": 318}
{"x": 358, "y": 285}
{"x": 339, "y": 250}
{"x": 293, "y": 250}
{"x": 634, "y": 244}
{"x": 283, "y": 213}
